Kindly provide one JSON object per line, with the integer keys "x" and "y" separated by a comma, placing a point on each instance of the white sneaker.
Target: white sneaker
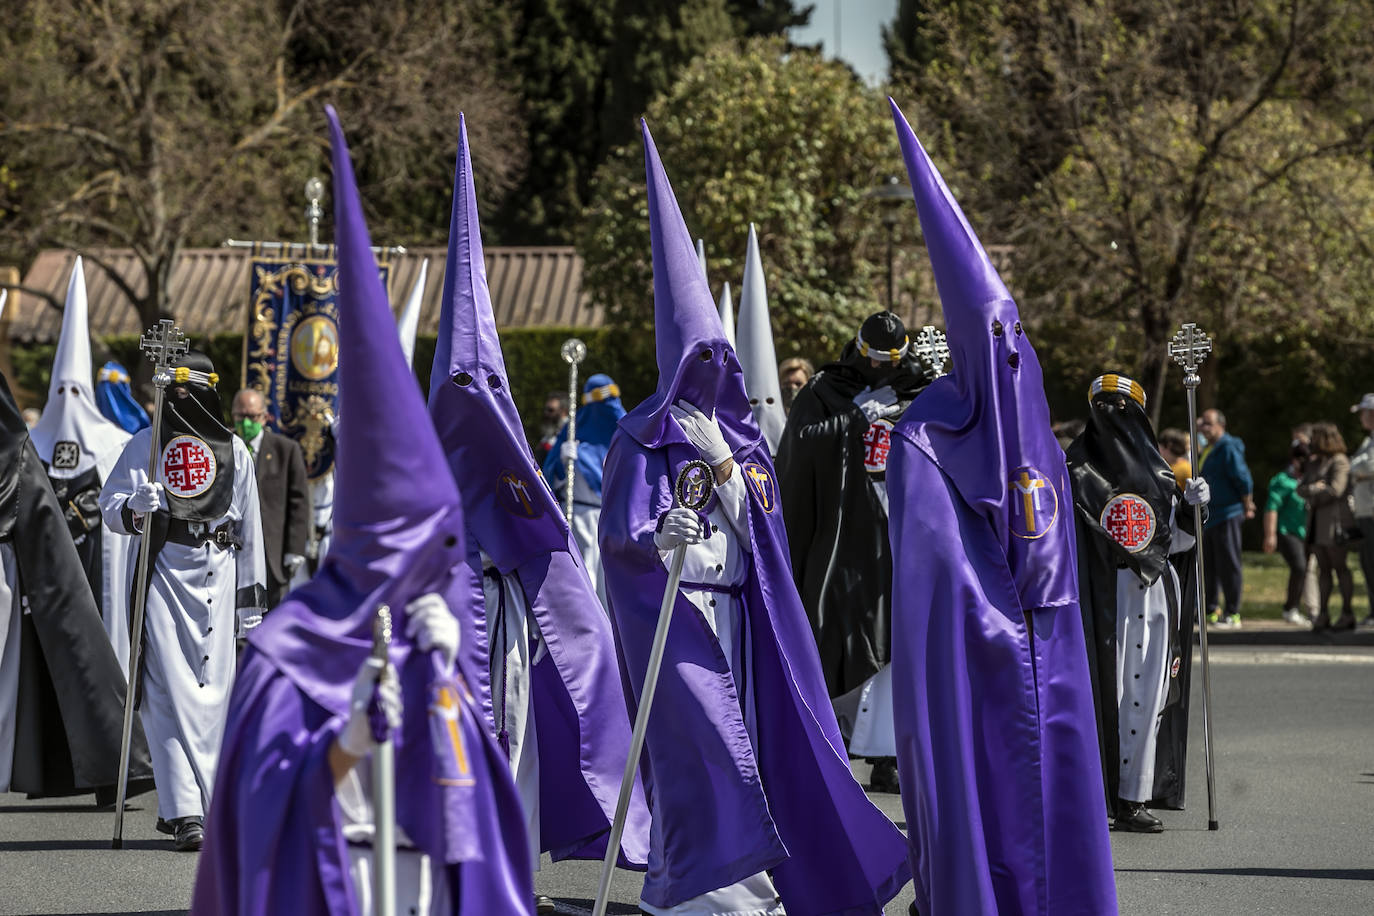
{"x": 1297, "y": 618}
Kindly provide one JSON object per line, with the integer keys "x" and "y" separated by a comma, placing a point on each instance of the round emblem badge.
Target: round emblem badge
{"x": 187, "y": 467}
{"x": 516, "y": 495}
{"x": 694, "y": 485}
{"x": 877, "y": 443}
{"x": 1173, "y": 668}
{"x": 761, "y": 482}
{"x": 1034, "y": 503}
{"x": 1129, "y": 521}
{"x": 315, "y": 347}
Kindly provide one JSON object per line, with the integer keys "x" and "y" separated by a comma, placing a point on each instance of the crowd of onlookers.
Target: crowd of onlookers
{"x": 1319, "y": 509}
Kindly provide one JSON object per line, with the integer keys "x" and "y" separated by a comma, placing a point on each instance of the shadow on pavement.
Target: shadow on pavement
{"x": 1333, "y": 874}
{"x": 575, "y": 907}
{"x": 1289, "y": 636}
{"x": 55, "y": 845}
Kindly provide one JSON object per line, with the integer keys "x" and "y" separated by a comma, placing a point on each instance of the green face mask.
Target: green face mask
{"x": 248, "y": 429}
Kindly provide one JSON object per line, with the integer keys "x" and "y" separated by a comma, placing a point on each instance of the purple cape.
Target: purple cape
{"x": 579, "y": 704}
{"x": 996, "y": 737}
{"x": 274, "y": 842}
{"x": 722, "y": 813}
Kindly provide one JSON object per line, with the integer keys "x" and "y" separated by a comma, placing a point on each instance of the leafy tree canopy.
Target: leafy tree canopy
{"x": 1158, "y": 162}
{"x": 751, "y": 132}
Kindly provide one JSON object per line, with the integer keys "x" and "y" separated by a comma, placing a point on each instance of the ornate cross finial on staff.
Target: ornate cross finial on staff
{"x": 1189, "y": 348}
{"x": 163, "y": 344}
{"x": 932, "y": 349}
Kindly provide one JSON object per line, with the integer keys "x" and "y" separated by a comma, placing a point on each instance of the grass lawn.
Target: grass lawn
{"x": 1265, "y": 578}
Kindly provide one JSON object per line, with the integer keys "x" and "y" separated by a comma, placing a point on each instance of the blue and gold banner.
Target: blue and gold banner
{"x": 292, "y": 346}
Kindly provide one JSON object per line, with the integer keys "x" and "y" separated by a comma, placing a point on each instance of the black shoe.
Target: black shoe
{"x": 190, "y": 834}
{"x": 1133, "y": 818}
{"x": 544, "y": 905}
{"x": 883, "y": 778}
{"x": 1345, "y": 622}
{"x": 167, "y": 827}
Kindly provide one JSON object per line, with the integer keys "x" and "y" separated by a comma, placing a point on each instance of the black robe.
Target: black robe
{"x": 71, "y": 692}
{"x": 1110, "y": 458}
{"x": 836, "y": 525}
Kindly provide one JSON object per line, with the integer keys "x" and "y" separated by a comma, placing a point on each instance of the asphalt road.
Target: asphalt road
{"x": 1294, "y": 741}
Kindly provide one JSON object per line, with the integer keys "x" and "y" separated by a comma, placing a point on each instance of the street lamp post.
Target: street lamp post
{"x": 891, "y": 194}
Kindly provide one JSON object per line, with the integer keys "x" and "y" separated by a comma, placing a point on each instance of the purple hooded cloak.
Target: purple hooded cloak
{"x": 996, "y": 737}
{"x": 721, "y": 812}
{"x": 273, "y": 835}
{"x": 579, "y": 703}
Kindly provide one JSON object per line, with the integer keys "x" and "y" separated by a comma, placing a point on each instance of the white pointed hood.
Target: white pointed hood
{"x": 72, "y": 435}
{"x": 727, "y": 313}
{"x": 409, "y": 323}
{"x": 755, "y": 349}
{"x": 4, "y": 298}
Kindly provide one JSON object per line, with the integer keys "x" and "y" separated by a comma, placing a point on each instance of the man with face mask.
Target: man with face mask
{"x": 754, "y": 806}
{"x": 283, "y": 492}
{"x": 1132, "y": 518}
{"x": 832, "y": 466}
{"x": 205, "y": 581}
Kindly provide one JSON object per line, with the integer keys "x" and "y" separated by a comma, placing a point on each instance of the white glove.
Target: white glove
{"x": 292, "y": 562}
{"x": 703, "y": 432}
{"x": 1196, "y": 492}
{"x": 680, "y": 526}
{"x": 147, "y": 497}
{"x": 569, "y": 451}
{"x": 356, "y": 737}
{"x": 247, "y": 621}
{"x": 878, "y": 403}
{"x": 432, "y": 625}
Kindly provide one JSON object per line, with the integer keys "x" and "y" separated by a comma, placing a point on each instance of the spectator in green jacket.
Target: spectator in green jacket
{"x": 1285, "y": 523}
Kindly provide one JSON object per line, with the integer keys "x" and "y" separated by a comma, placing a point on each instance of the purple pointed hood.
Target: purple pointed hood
{"x": 506, "y": 501}
{"x": 988, "y": 422}
{"x": 397, "y": 522}
{"x": 695, "y": 361}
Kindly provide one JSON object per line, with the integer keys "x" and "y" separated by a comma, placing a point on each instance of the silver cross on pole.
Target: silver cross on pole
{"x": 164, "y": 344}
{"x": 1189, "y": 348}
{"x": 933, "y": 350}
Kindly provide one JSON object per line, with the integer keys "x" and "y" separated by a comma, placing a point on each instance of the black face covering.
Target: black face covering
{"x": 1117, "y": 456}
{"x": 205, "y": 491}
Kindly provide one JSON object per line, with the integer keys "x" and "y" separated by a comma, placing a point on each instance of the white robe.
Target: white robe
{"x": 189, "y": 627}
{"x": 512, "y": 705}
{"x": 421, "y": 887}
{"x": 10, "y": 610}
{"x": 722, "y": 561}
{"x": 1142, "y": 670}
{"x": 585, "y": 521}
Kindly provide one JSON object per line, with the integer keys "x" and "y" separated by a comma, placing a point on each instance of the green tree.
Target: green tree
{"x": 1152, "y": 163}
{"x": 586, "y": 69}
{"x": 157, "y": 124}
{"x": 751, "y": 132}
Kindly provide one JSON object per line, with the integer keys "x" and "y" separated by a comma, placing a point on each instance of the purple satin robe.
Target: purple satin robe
{"x": 721, "y": 813}
{"x": 996, "y": 734}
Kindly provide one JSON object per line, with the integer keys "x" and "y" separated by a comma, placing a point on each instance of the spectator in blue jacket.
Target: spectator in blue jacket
{"x": 1222, "y": 465}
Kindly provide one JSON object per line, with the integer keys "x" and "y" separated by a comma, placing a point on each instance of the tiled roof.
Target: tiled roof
{"x": 530, "y": 287}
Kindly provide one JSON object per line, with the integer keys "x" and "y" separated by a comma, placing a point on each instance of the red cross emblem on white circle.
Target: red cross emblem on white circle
{"x": 1129, "y": 521}
{"x": 187, "y": 466}
{"x": 877, "y": 443}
